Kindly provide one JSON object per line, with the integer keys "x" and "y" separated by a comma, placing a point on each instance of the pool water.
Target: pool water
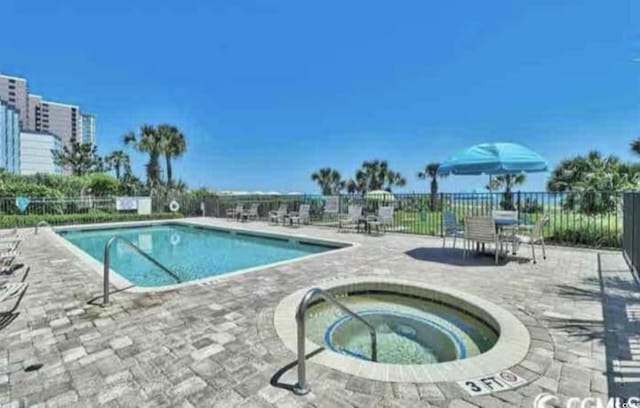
{"x": 188, "y": 251}
{"x": 409, "y": 330}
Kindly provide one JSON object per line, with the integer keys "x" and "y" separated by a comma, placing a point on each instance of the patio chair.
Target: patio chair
{"x": 482, "y": 230}
{"x": 351, "y": 219}
{"x": 300, "y": 217}
{"x": 278, "y": 216}
{"x": 451, "y": 228}
{"x": 251, "y": 213}
{"x": 534, "y": 237}
{"x": 382, "y": 221}
{"x": 234, "y": 213}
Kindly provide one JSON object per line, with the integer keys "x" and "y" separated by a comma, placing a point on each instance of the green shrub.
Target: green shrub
{"x": 10, "y": 221}
{"x": 584, "y": 236}
{"x": 102, "y": 185}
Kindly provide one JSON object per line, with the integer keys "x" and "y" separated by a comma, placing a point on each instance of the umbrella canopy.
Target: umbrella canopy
{"x": 494, "y": 159}
{"x": 379, "y": 195}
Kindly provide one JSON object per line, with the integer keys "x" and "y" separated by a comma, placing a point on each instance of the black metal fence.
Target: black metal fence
{"x": 631, "y": 232}
{"x": 585, "y": 219}
{"x": 28, "y": 211}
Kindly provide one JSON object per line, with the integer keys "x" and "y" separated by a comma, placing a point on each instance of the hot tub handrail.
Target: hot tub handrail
{"x": 40, "y": 224}
{"x": 107, "y": 264}
{"x": 301, "y": 388}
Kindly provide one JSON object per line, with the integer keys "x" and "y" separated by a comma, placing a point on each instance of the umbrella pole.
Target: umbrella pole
{"x": 491, "y": 190}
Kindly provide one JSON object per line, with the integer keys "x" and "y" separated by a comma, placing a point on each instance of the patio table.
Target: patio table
{"x": 501, "y": 225}
{"x": 363, "y": 220}
{"x": 507, "y": 224}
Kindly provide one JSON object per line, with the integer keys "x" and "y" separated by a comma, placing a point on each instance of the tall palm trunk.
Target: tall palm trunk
{"x": 153, "y": 169}
{"x": 508, "y": 196}
{"x": 167, "y": 158}
{"x": 434, "y": 194}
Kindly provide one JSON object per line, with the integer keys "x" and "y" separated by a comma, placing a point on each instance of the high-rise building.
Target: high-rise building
{"x": 33, "y": 112}
{"x": 36, "y": 152}
{"x": 13, "y": 91}
{"x": 61, "y": 119}
{"x": 64, "y": 120}
{"x": 9, "y": 138}
{"x": 88, "y": 128}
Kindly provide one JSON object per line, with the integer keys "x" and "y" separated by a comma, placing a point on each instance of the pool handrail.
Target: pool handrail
{"x": 301, "y": 387}
{"x": 107, "y": 264}
{"x": 38, "y": 225}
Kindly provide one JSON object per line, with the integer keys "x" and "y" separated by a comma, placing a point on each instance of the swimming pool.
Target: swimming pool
{"x": 191, "y": 252}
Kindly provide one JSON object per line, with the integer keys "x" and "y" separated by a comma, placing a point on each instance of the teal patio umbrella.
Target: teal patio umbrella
{"x": 494, "y": 159}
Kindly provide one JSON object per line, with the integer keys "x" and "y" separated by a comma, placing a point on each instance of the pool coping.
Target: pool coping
{"x": 510, "y": 349}
{"x": 123, "y": 284}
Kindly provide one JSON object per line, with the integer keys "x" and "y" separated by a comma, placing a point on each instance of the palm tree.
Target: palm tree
{"x": 174, "y": 145}
{"x": 351, "y": 186}
{"x": 593, "y": 181}
{"x": 431, "y": 172}
{"x": 329, "y": 180}
{"x": 148, "y": 141}
{"x": 394, "y": 179}
{"x": 118, "y": 160}
{"x": 508, "y": 181}
{"x": 635, "y": 146}
{"x": 376, "y": 175}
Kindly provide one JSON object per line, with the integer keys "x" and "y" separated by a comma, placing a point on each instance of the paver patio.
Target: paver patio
{"x": 214, "y": 345}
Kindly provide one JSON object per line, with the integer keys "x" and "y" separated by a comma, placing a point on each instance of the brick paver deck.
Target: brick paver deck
{"x": 214, "y": 345}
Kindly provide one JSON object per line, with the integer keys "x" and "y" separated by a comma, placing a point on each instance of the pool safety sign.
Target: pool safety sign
{"x": 504, "y": 380}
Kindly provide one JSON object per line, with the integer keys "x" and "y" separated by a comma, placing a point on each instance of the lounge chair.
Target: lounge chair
{"x": 382, "y": 221}
{"x": 251, "y": 213}
{"x": 278, "y": 216}
{"x": 300, "y": 217}
{"x": 10, "y": 245}
{"x": 451, "y": 228}
{"x": 351, "y": 219}
{"x": 534, "y": 237}
{"x": 9, "y": 290}
{"x": 482, "y": 230}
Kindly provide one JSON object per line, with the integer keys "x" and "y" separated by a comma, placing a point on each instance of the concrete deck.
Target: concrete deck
{"x": 214, "y": 344}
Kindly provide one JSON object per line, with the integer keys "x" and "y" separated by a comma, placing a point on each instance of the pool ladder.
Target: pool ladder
{"x": 107, "y": 264}
{"x": 301, "y": 387}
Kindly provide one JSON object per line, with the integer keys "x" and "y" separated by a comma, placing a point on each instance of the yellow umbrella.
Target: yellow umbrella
{"x": 379, "y": 195}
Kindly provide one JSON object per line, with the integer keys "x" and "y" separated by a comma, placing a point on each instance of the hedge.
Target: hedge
{"x": 10, "y": 221}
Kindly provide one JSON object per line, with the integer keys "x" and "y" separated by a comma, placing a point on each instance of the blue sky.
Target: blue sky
{"x": 268, "y": 91}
